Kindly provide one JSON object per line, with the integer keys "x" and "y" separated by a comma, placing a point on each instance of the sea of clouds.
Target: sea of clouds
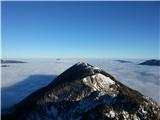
{"x": 20, "y": 79}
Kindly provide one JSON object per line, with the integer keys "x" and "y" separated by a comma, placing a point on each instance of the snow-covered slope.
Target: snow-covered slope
{"x": 86, "y": 92}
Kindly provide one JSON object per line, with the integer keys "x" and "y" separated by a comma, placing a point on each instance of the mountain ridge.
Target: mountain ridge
{"x": 81, "y": 90}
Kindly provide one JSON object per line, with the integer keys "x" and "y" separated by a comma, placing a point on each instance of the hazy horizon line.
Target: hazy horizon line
{"x": 76, "y": 58}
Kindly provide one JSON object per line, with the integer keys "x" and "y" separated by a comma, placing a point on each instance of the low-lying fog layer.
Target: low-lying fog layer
{"x": 21, "y": 79}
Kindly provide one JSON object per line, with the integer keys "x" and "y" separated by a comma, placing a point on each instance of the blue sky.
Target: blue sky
{"x": 80, "y": 29}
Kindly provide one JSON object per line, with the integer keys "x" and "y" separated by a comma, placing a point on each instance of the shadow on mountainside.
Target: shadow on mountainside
{"x": 15, "y": 93}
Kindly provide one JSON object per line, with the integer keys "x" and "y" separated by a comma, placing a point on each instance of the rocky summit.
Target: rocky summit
{"x": 85, "y": 92}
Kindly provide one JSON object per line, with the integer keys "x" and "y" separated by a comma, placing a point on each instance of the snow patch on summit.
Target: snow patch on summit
{"x": 98, "y": 82}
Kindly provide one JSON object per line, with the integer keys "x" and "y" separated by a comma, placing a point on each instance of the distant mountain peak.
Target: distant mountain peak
{"x": 86, "y": 92}
{"x": 11, "y": 61}
{"x": 152, "y": 62}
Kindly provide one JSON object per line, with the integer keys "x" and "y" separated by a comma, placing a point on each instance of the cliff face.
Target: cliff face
{"x": 86, "y": 92}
